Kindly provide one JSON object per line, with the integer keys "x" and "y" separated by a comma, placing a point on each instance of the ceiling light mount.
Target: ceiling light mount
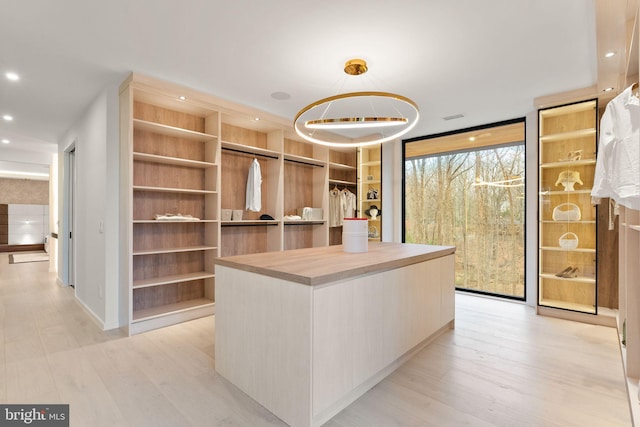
{"x": 356, "y": 118}
{"x": 355, "y": 67}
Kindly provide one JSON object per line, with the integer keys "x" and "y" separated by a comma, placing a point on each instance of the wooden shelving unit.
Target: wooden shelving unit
{"x": 567, "y": 150}
{"x": 370, "y": 188}
{"x": 192, "y": 157}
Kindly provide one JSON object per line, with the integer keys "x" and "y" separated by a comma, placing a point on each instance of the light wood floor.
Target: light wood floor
{"x": 501, "y": 366}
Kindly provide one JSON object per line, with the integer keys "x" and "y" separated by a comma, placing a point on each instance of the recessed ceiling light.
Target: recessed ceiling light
{"x": 609, "y": 89}
{"x": 5, "y": 141}
{"x": 12, "y": 76}
{"x": 609, "y": 54}
{"x": 472, "y": 138}
{"x": 7, "y": 117}
{"x": 182, "y": 98}
{"x": 256, "y": 118}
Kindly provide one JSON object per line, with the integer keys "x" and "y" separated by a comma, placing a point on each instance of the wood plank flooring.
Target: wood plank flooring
{"x": 501, "y": 366}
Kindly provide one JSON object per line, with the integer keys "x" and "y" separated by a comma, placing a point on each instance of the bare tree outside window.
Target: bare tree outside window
{"x": 475, "y": 201}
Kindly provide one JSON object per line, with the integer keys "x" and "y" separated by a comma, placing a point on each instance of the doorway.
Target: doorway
{"x": 70, "y": 184}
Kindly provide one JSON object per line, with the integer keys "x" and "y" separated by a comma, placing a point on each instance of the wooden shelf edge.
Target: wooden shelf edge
{"x": 568, "y": 135}
{"x": 250, "y": 222}
{"x": 304, "y": 222}
{"x": 168, "y": 280}
{"x": 559, "y": 249}
{"x": 341, "y": 166}
{"x": 155, "y": 158}
{"x": 561, "y": 164}
{"x": 565, "y": 305}
{"x": 634, "y": 227}
{"x": 372, "y": 163}
{"x": 170, "y": 309}
{"x": 171, "y": 190}
{"x": 340, "y": 182}
{"x": 171, "y": 130}
{"x": 174, "y": 250}
{"x": 153, "y": 221}
{"x": 564, "y": 193}
{"x": 584, "y": 222}
{"x": 579, "y": 279}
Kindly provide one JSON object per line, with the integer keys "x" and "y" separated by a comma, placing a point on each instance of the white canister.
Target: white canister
{"x": 355, "y": 235}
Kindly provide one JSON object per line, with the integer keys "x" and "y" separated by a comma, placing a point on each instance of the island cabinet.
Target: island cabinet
{"x": 305, "y": 332}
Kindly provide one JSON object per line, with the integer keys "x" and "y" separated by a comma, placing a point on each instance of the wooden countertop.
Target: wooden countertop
{"x": 318, "y": 266}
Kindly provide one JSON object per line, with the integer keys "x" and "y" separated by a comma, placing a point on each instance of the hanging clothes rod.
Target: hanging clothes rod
{"x": 303, "y": 163}
{"x": 249, "y": 153}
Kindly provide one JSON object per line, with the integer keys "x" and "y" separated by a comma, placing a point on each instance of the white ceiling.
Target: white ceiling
{"x": 485, "y": 59}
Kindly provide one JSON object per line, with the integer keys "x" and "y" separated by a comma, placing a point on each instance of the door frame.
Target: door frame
{"x": 68, "y": 262}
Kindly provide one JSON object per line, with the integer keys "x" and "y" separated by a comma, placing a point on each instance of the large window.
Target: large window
{"x": 467, "y": 189}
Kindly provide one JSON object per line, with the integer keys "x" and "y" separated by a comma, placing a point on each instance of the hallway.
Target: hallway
{"x": 501, "y": 366}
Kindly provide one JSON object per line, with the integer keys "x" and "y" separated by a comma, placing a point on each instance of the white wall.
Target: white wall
{"x": 96, "y": 139}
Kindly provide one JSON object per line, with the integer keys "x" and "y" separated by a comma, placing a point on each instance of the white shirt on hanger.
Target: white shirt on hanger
{"x": 336, "y": 207}
{"x": 617, "y": 173}
{"x": 349, "y": 208}
{"x": 254, "y": 190}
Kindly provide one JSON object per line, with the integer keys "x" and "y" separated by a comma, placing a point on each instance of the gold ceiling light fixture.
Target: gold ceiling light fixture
{"x": 356, "y": 118}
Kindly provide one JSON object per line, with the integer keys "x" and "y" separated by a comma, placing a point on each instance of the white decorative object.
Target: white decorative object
{"x": 236, "y": 215}
{"x": 225, "y": 214}
{"x": 568, "y": 179}
{"x": 310, "y": 214}
{"x": 566, "y": 212}
{"x": 568, "y": 241}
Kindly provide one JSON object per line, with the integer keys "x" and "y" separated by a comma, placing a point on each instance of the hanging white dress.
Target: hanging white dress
{"x": 254, "y": 190}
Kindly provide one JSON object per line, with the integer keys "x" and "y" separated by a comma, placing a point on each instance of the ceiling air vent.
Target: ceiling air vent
{"x": 455, "y": 116}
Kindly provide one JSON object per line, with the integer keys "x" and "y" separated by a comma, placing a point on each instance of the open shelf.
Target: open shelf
{"x": 171, "y": 190}
{"x": 171, "y": 131}
{"x": 581, "y": 133}
{"x": 173, "y": 250}
{"x": 154, "y": 158}
{"x": 581, "y": 279}
{"x": 568, "y": 163}
{"x": 167, "y": 280}
{"x": 169, "y": 309}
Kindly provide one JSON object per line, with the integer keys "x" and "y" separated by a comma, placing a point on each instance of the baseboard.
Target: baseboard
{"x": 94, "y": 317}
{"x": 602, "y": 319}
{"x": 22, "y": 248}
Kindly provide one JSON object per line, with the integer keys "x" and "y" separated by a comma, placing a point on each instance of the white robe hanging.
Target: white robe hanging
{"x": 254, "y": 190}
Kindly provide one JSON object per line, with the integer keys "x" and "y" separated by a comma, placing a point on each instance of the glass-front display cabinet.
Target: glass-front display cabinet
{"x": 370, "y": 188}
{"x": 566, "y": 215}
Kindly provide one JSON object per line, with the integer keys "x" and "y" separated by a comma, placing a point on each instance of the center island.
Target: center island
{"x": 306, "y": 332}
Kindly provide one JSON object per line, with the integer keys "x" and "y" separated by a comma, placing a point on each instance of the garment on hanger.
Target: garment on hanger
{"x": 336, "y": 207}
{"x": 254, "y": 189}
{"x": 349, "y": 208}
{"x": 617, "y": 173}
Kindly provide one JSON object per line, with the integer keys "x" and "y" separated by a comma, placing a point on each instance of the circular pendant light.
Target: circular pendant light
{"x": 356, "y": 118}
